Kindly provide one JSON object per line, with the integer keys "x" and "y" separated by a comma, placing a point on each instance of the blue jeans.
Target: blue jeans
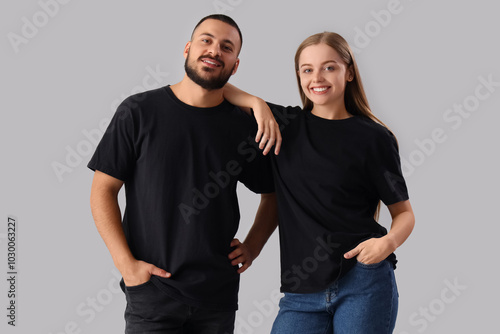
{"x": 364, "y": 301}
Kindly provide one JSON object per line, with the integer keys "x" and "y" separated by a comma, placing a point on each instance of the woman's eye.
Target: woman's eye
{"x": 329, "y": 68}
{"x": 307, "y": 70}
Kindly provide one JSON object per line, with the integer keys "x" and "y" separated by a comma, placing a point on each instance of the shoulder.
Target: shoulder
{"x": 279, "y": 109}
{"x": 373, "y": 131}
{"x": 138, "y": 104}
{"x": 233, "y": 116}
{"x": 240, "y": 116}
{"x": 284, "y": 115}
{"x": 144, "y": 98}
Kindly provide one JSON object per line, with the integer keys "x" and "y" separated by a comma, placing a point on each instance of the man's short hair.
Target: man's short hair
{"x": 222, "y": 18}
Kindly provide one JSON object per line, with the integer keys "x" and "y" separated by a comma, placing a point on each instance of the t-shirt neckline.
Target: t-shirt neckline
{"x": 313, "y": 117}
{"x": 223, "y": 106}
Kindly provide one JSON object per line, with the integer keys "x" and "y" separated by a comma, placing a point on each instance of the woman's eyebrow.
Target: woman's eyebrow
{"x": 323, "y": 63}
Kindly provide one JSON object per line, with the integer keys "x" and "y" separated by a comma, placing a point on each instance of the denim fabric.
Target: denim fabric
{"x": 364, "y": 301}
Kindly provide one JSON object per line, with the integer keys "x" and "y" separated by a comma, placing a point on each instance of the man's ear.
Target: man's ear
{"x": 186, "y": 49}
{"x": 236, "y": 66}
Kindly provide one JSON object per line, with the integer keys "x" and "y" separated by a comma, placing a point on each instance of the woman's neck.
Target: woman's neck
{"x": 332, "y": 112}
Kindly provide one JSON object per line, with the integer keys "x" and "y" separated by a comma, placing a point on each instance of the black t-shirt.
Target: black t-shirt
{"x": 180, "y": 165}
{"x": 329, "y": 178}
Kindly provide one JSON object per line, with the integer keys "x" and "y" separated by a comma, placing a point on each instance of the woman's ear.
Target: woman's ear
{"x": 350, "y": 74}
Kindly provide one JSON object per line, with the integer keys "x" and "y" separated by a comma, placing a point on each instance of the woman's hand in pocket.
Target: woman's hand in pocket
{"x": 372, "y": 251}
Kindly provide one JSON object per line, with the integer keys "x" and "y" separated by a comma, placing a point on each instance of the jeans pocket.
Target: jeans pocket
{"x": 138, "y": 287}
{"x": 371, "y": 265}
{"x": 143, "y": 301}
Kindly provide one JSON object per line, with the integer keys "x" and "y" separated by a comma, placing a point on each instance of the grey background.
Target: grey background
{"x": 69, "y": 76}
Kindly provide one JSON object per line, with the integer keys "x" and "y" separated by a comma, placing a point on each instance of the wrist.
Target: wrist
{"x": 253, "y": 248}
{"x": 124, "y": 263}
{"x": 257, "y": 102}
{"x": 391, "y": 242}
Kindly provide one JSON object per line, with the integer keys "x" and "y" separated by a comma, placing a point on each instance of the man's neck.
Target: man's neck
{"x": 191, "y": 93}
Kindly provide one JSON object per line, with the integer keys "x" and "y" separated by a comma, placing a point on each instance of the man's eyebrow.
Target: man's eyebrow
{"x": 207, "y": 34}
{"x": 228, "y": 41}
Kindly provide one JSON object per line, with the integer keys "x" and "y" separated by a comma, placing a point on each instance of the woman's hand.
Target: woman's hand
{"x": 372, "y": 250}
{"x": 377, "y": 249}
{"x": 268, "y": 133}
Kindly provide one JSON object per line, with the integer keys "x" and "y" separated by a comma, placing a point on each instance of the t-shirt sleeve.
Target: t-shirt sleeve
{"x": 284, "y": 115}
{"x": 257, "y": 174}
{"x": 115, "y": 154}
{"x": 385, "y": 171}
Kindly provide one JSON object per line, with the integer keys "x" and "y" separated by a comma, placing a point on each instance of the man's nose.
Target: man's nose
{"x": 215, "y": 49}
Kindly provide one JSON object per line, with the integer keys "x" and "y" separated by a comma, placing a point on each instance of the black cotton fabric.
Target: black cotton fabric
{"x": 329, "y": 177}
{"x": 180, "y": 166}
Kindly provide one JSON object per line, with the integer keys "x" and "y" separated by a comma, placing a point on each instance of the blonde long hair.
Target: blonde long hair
{"x": 355, "y": 99}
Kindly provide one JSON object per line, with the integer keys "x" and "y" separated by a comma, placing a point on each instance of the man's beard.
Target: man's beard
{"x": 211, "y": 83}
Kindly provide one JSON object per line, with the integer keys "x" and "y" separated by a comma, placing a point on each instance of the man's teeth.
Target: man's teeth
{"x": 211, "y": 62}
{"x": 322, "y": 89}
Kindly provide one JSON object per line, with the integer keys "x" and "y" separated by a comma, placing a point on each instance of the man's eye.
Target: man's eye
{"x": 204, "y": 40}
{"x": 228, "y": 48}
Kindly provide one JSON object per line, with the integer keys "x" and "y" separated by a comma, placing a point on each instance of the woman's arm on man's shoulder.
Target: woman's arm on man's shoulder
{"x": 268, "y": 133}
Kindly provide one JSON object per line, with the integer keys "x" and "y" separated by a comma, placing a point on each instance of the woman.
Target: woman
{"x": 337, "y": 162}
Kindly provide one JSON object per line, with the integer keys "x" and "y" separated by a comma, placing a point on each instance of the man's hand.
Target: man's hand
{"x": 107, "y": 217}
{"x": 268, "y": 133}
{"x": 139, "y": 272}
{"x": 241, "y": 255}
{"x": 266, "y": 221}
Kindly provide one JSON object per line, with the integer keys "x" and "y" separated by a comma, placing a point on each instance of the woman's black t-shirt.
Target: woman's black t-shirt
{"x": 329, "y": 178}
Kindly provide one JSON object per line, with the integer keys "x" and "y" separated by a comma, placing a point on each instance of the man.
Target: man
{"x": 180, "y": 151}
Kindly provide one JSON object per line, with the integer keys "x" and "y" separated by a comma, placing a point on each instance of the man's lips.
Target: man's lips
{"x": 210, "y": 62}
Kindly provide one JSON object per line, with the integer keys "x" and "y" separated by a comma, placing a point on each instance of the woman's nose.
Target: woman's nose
{"x": 317, "y": 76}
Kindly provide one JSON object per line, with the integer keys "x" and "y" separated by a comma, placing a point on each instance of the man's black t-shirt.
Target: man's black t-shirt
{"x": 180, "y": 165}
{"x": 329, "y": 177}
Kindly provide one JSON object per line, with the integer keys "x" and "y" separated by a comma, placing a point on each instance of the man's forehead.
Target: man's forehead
{"x": 217, "y": 29}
